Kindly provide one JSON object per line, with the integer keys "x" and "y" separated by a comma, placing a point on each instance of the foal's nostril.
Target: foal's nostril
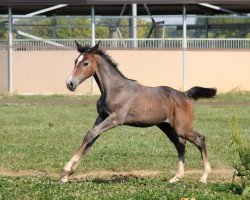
{"x": 70, "y": 85}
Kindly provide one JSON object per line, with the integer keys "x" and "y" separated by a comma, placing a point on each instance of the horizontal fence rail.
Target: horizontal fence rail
{"x": 154, "y": 44}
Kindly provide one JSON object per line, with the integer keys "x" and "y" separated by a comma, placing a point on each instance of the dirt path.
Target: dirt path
{"x": 11, "y": 102}
{"x": 217, "y": 175}
{"x": 47, "y": 102}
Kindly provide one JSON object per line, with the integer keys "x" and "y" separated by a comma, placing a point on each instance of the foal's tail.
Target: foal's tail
{"x": 200, "y": 92}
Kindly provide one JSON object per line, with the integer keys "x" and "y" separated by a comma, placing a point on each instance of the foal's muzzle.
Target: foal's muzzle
{"x": 70, "y": 85}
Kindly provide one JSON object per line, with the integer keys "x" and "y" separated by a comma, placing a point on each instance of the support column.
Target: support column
{"x": 10, "y": 52}
{"x": 54, "y": 27}
{"x": 92, "y": 25}
{"x": 184, "y": 48}
{"x": 134, "y": 24}
{"x": 206, "y": 27}
{"x": 92, "y": 41}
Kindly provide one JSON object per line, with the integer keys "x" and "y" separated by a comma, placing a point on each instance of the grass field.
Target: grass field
{"x": 37, "y": 140}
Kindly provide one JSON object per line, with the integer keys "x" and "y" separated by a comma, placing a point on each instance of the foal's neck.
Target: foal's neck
{"x": 108, "y": 78}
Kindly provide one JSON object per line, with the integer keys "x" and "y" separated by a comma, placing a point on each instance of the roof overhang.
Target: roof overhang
{"x": 117, "y": 2}
{"x": 114, "y": 7}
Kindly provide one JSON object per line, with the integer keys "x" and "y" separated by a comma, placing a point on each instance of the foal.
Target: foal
{"x": 126, "y": 102}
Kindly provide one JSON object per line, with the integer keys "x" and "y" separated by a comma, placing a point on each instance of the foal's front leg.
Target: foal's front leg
{"x": 89, "y": 139}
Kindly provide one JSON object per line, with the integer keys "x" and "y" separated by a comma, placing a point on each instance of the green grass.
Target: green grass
{"x": 238, "y": 96}
{"x": 143, "y": 188}
{"x": 44, "y": 137}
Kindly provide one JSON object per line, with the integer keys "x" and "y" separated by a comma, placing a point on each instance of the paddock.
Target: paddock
{"x": 42, "y": 123}
{"x": 38, "y": 138}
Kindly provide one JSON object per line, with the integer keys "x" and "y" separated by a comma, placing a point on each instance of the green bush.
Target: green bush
{"x": 243, "y": 166}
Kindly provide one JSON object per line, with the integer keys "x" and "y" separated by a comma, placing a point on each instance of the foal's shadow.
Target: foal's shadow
{"x": 110, "y": 179}
{"x": 113, "y": 179}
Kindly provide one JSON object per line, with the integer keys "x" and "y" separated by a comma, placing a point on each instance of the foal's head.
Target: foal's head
{"x": 84, "y": 67}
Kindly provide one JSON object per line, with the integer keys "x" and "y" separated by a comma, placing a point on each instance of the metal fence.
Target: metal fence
{"x": 218, "y": 43}
{"x": 154, "y": 44}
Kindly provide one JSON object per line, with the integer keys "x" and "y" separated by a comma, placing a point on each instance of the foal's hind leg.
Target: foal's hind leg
{"x": 179, "y": 143}
{"x": 199, "y": 141}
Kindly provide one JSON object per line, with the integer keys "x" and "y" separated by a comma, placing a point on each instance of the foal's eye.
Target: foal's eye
{"x": 85, "y": 64}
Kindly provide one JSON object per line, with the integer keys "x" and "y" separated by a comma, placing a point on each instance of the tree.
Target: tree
{"x": 222, "y": 31}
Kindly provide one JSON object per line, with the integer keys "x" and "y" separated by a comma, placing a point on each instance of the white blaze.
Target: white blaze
{"x": 79, "y": 59}
{"x": 71, "y": 78}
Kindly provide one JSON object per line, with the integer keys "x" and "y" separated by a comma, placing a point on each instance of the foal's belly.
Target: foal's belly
{"x": 145, "y": 116}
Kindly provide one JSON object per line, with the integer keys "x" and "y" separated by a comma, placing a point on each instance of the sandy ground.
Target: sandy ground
{"x": 217, "y": 175}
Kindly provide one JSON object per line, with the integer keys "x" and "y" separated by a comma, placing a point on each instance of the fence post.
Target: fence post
{"x": 134, "y": 24}
{"x": 10, "y": 51}
{"x": 92, "y": 40}
{"x": 184, "y": 48}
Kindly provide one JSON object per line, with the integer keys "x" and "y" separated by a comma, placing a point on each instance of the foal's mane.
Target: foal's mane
{"x": 108, "y": 58}
{"x": 103, "y": 54}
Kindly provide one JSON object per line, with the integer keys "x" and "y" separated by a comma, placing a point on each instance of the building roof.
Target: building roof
{"x": 114, "y": 7}
{"x": 109, "y": 2}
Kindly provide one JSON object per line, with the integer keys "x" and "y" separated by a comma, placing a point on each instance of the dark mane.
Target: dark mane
{"x": 107, "y": 57}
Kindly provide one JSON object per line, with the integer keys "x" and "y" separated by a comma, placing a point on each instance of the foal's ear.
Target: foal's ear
{"x": 80, "y": 48}
{"x": 95, "y": 48}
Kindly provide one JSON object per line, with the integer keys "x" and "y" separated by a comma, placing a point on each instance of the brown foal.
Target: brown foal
{"x": 126, "y": 102}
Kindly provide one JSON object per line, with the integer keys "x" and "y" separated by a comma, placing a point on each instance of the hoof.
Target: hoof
{"x": 203, "y": 180}
{"x": 64, "y": 179}
{"x": 173, "y": 180}
{"x": 176, "y": 178}
{"x": 65, "y": 176}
